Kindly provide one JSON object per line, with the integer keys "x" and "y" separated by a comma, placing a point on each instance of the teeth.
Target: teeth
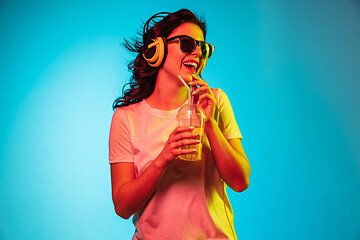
{"x": 191, "y": 64}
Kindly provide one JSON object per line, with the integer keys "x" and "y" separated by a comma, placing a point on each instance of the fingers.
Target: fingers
{"x": 201, "y": 89}
{"x": 198, "y": 82}
{"x": 178, "y": 152}
{"x": 206, "y": 96}
{"x": 186, "y": 142}
{"x": 183, "y": 129}
{"x": 180, "y": 141}
{"x": 183, "y": 137}
{"x": 197, "y": 78}
{"x": 203, "y": 86}
{"x": 183, "y": 132}
{"x": 179, "y": 148}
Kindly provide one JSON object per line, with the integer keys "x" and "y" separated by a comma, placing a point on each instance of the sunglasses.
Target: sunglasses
{"x": 188, "y": 45}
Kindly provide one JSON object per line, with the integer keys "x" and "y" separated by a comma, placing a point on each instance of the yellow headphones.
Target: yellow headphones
{"x": 156, "y": 52}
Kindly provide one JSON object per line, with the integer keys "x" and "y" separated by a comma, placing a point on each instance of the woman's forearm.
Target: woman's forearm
{"x": 232, "y": 164}
{"x": 132, "y": 196}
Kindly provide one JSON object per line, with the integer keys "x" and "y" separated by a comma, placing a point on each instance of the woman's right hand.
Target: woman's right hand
{"x": 181, "y": 136}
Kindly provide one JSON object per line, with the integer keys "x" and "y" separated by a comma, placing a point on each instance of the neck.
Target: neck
{"x": 169, "y": 94}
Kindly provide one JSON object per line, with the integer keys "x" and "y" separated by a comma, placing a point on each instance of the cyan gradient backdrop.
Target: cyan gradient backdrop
{"x": 290, "y": 68}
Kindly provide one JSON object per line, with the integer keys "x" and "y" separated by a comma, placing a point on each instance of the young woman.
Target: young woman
{"x": 171, "y": 198}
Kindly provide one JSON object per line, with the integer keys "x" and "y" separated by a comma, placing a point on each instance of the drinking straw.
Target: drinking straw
{"x": 189, "y": 91}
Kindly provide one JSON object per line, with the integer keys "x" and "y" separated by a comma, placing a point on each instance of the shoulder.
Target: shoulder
{"x": 123, "y": 115}
{"x": 218, "y": 91}
{"x": 219, "y": 94}
{"x": 127, "y": 110}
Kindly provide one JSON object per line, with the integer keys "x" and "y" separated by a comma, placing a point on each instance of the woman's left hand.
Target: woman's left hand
{"x": 206, "y": 100}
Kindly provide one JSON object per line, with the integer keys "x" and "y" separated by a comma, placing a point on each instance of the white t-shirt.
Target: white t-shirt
{"x": 190, "y": 201}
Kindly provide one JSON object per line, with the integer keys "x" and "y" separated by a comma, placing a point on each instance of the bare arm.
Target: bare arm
{"x": 130, "y": 193}
{"x": 230, "y": 158}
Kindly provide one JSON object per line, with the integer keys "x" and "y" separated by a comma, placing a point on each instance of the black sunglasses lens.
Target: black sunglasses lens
{"x": 187, "y": 44}
{"x": 211, "y": 49}
{"x": 206, "y": 50}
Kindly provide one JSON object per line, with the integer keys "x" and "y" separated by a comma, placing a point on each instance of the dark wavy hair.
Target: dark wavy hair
{"x": 142, "y": 81}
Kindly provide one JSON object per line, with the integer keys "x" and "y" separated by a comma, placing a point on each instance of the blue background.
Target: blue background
{"x": 290, "y": 68}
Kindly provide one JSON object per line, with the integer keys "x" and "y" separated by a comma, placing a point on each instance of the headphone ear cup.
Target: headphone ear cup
{"x": 156, "y": 52}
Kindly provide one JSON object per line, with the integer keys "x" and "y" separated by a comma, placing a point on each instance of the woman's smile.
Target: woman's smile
{"x": 191, "y": 65}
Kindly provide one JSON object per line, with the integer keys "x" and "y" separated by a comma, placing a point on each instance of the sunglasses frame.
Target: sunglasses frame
{"x": 197, "y": 43}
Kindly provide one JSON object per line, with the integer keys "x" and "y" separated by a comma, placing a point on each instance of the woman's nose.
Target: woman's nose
{"x": 197, "y": 51}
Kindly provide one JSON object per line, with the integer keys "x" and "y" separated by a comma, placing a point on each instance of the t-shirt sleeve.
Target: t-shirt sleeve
{"x": 120, "y": 146}
{"x": 226, "y": 118}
